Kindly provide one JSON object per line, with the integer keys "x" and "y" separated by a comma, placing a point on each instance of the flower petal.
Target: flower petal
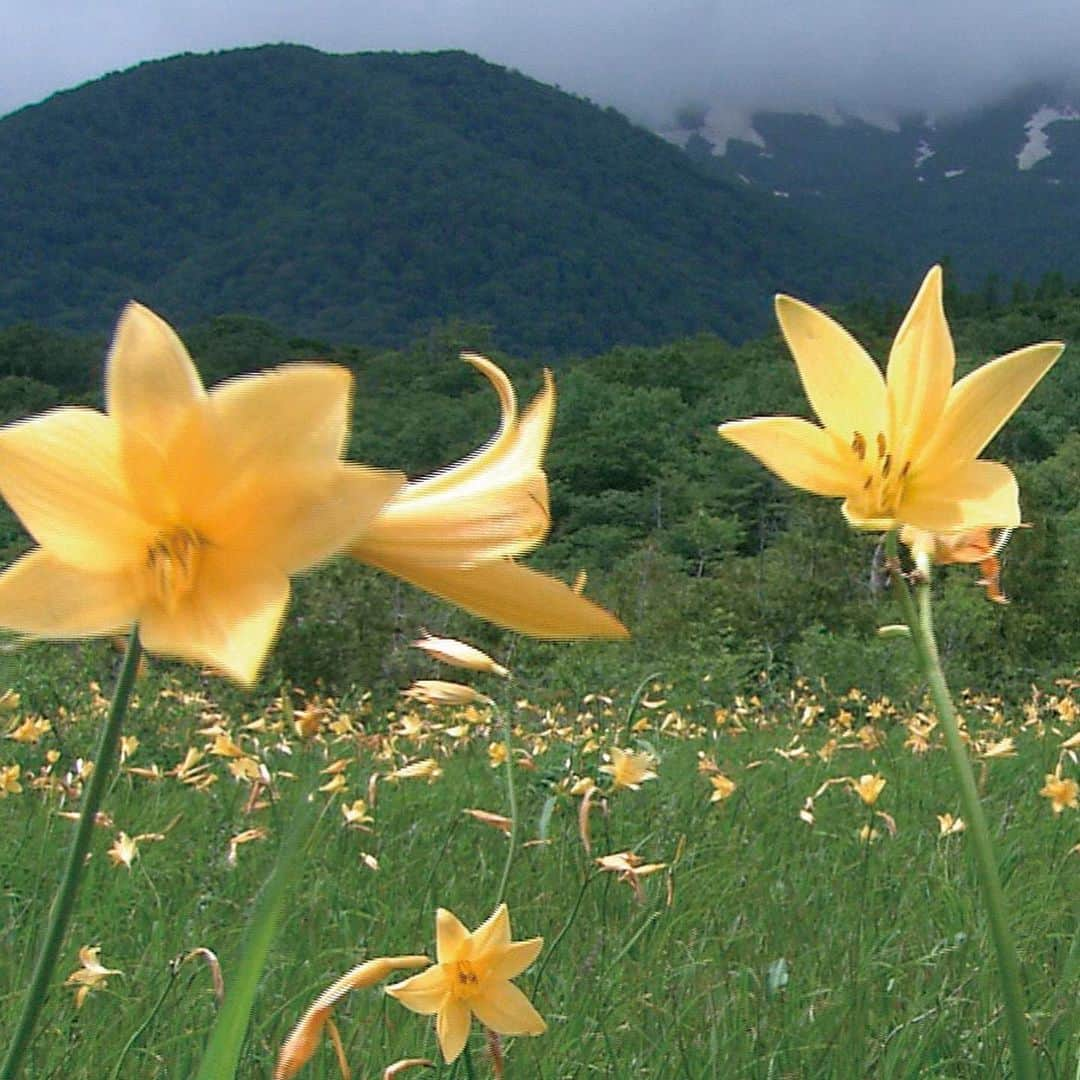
{"x": 843, "y": 383}
{"x": 451, "y": 936}
{"x": 920, "y": 371}
{"x": 507, "y": 594}
{"x": 229, "y": 620}
{"x": 61, "y": 474}
{"x": 502, "y": 1007}
{"x": 424, "y": 993}
{"x": 297, "y": 518}
{"x": 452, "y": 1027}
{"x": 798, "y": 452}
{"x": 979, "y": 493}
{"x": 293, "y": 414}
{"x": 43, "y": 597}
{"x": 981, "y": 402}
{"x": 151, "y": 385}
{"x": 516, "y": 958}
{"x": 493, "y": 934}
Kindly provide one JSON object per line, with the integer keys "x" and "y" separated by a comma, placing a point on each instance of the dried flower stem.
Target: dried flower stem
{"x": 920, "y": 620}
{"x": 64, "y": 901}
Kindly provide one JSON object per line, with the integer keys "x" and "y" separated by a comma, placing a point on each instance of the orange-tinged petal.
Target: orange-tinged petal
{"x": 798, "y": 452}
{"x": 452, "y": 1027}
{"x": 294, "y": 414}
{"x": 61, "y": 474}
{"x": 297, "y": 519}
{"x": 43, "y": 597}
{"x": 505, "y": 1009}
{"x": 515, "y": 958}
{"x": 980, "y": 493}
{"x": 424, "y": 993}
{"x": 508, "y": 595}
{"x": 980, "y": 403}
{"x": 492, "y": 934}
{"x": 920, "y": 371}
{"x": 451, "y": 936}
{"x": 843, "y": 383}
{"x": 229, "y": 620}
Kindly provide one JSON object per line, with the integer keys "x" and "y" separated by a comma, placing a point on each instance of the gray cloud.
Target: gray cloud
{"x": 644, "y": 57}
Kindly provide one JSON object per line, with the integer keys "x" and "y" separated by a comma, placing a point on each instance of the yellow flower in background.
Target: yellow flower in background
{"x": 472, "y": 977}
{"x": 1062, "y": 793}
{"x": 9, "y": 780}
{"x": 723, "y": 787}
{"x": 459, "y": 654}
{"x": 868, "y": 787}
{"x": 629, "y": 769}
{"x": 181, "y": 510}
{"x": 899, "y": 450}
{"x": 441, "y": 692}
{"x": 456, "y": 533}
{"x": 969, "y": 546}
{"x": 90, "y": 975}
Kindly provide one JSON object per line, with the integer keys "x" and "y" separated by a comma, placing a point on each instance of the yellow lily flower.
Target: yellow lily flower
{"x": 473, "y": 975}
{"x": 181, "y": 510}
{"x": 900, "y": 449}
{"x": 455, "y": 533}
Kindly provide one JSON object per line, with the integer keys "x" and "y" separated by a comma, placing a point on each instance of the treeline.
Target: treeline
{"x": 717, "y": 567}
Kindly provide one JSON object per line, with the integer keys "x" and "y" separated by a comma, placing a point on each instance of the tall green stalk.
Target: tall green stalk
{"x": 511, "y": 798}
{"x": 64, "y": 900}
{"x": 918, "y": 615}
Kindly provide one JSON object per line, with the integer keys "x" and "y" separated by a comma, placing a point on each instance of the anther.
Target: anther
{"x": 886, "y": 465}
{"x": 858, "y": 444}
{"x": 881, "y": 445}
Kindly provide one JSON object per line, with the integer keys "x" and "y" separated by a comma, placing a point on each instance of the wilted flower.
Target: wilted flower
{"x": 440, "y": 692}
{"x": 455, "y": 533}
{"x": 473, "y": 976}
{"x": 899, "y": 450}
{"x": 630, "y": 868}
{"x": 356, "y": 814}
{"x": 970, "y": 546}
{"x": 179, "y": 510}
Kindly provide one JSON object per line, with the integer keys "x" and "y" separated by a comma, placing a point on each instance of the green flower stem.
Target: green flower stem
{"x": 921, "y": 623}
{"x": 64, "y": 901}
{"x": 511, "y": 798}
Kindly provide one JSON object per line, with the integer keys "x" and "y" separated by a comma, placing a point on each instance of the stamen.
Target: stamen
{"x": 881, "y": 445}
{"x": 886, "y": 466}
{"x": 904, "y": 470}
{"x": 858, "y": 444}
{"x": 172, "y": 564}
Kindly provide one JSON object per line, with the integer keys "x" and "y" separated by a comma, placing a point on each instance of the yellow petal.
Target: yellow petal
{"x": 450, "y": 936}
{"x": 516, "y": 958}
{"x": 295, "y": 519}
{"x": 424, "y": 993}
{"x": 843, "y": 383}
{"x": 295, "y": 414}
{"x": 980, "y": 403}
{"x": 920, "y": 371}
{"x": 229, "y": 620}
{"x": 452, "y": 1027}
{"x": 494, "y": 933}
{"x": 980, "y": 493}
{"x": 505, "y": 1009}
{"x": 799, "y": 453}
{"x": 43, "y": 597}
{"x": 61, "y": 474}
{"x": 508, "y": 595}
{"x": 151, "y": 385}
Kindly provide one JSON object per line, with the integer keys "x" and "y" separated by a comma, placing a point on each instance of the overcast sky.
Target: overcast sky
{"x": 646, "y": 57}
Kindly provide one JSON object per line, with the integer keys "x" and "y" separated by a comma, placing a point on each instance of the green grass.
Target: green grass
{"x": 767, "y": 948}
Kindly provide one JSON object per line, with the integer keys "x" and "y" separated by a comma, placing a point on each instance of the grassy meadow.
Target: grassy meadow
{"x": 792, "y": 930}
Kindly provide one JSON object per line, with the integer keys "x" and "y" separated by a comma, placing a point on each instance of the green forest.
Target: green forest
{"x": 698, "y": 548}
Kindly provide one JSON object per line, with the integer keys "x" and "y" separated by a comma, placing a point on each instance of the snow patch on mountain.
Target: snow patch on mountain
{"x": 1037, "y": 146}
{"x": 923, "y": 152}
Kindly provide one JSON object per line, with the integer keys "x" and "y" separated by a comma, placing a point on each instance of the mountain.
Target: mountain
{"x": 996, "y": 188}
{"x": 368, "y": 197}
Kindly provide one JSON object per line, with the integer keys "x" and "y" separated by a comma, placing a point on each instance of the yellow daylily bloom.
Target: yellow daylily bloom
{"x": 459, "y": 654}
{"x": 455, "y": 533}
{"x": 629, "y": 769}
{"x": 899, "y": 449}
{"x": 472, "y": 976}
{"x": 90, "y": 975}
{"x": 868, "y": 787}
{"x": 1062, "y": 792}
{"x": 181, "y": 510}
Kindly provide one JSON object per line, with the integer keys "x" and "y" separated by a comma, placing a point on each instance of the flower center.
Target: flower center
{"x": 464, "y": 980}
{"x": 172, "y": 564}
{"x": 884, "y": 478}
